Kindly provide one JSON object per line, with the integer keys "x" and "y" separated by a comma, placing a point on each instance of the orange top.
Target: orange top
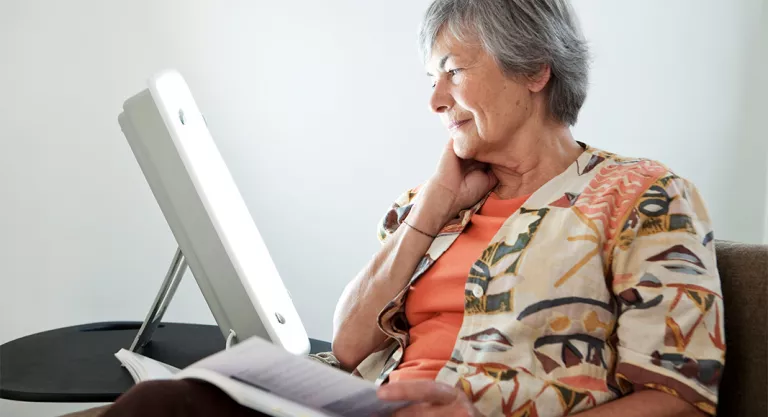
{"x": 435, "y": 304}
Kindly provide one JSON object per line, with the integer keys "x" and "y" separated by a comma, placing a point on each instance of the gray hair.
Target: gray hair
{"x": 522, "y": 35}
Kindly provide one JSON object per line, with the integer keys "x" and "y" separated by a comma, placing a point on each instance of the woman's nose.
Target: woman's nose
{"x": 441, "y": 101}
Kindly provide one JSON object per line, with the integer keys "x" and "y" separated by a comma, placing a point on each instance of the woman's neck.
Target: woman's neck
{"x": 533, "y": 158}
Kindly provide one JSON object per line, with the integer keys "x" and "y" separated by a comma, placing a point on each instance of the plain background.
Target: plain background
{"x": 320, "y": 111}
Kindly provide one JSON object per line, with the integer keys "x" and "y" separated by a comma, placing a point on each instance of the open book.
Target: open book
{"x": 266, "y": 378}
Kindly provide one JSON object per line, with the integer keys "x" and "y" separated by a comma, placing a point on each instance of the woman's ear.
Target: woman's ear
{"x": 538, "y": 81}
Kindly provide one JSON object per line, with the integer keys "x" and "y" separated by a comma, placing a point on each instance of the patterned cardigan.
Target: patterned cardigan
{"x": 603, "y": 283}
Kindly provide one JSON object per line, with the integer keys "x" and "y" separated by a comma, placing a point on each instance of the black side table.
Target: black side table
{"x": 77, "y": 364}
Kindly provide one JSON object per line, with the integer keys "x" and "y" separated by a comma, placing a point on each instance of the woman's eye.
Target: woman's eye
{"x": 450, "y": 73}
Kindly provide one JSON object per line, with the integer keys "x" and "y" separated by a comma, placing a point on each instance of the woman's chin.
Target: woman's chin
{"x": 463, "y": 148}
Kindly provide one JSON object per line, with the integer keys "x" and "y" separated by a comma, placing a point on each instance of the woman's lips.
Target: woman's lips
{"x": 458, "y": 124}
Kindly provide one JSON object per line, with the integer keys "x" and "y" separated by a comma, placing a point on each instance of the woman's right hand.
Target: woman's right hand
{"x": 456, "y": 185}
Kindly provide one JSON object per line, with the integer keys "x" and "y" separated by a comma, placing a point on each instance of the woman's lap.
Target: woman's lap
{"x": 177, "y": 398}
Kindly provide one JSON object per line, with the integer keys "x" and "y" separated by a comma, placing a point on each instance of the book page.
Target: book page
{"x": 260, "y": 364}
{"x": 143, "y": 368}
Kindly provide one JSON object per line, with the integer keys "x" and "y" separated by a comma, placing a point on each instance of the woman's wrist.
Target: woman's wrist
{"x": 432, "y": 209}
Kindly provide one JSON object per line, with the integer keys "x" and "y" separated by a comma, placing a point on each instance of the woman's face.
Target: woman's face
{"x": 481, "y": 106}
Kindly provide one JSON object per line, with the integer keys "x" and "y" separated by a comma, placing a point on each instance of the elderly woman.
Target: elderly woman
{"x": 533, "y": 275}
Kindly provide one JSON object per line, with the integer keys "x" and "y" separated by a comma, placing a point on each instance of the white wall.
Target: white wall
{"x": 320, "y": 110}
{"x": 759, "y": 98}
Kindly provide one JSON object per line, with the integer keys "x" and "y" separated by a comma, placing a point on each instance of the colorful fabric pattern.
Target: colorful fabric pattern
{"x": 603, "y": 283}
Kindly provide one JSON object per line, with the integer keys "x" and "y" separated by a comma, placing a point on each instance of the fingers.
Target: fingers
{"x": 492, "y": 179}
{"x": 420, "y": 410}
{"x": 492, "y": 176}
{"x": 420, "y": 391}
{"x": 472, "y": 165}
{"x": 448, "y": 152}
{"x": 480, "y": 182}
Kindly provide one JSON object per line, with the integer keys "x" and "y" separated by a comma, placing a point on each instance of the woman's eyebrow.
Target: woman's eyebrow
{"x": 441, "y": 65}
